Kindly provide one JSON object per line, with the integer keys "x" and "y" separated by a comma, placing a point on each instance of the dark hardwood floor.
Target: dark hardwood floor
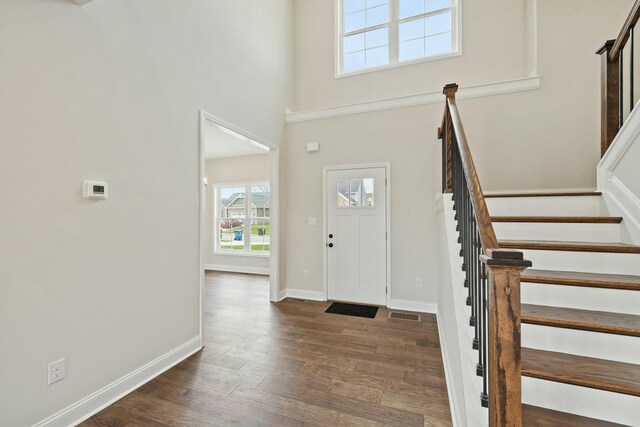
{"x": 291, "y": 364}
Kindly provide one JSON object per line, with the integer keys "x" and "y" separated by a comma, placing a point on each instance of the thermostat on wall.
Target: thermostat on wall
{"x": 95, "y": 190}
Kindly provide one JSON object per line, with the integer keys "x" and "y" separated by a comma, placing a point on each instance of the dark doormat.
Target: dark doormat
{"x": 352, "y": 310}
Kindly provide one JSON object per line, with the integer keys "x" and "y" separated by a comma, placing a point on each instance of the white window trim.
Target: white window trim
{"x": 456, "y": 35}
{"x": 246, "y": 252}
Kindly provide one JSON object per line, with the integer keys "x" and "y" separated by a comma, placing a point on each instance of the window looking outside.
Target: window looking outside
{"x": 378, "y": 33}
{"x": 242, "y": 219}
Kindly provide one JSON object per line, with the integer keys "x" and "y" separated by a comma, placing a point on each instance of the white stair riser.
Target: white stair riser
{"x": 603, "y": 405}
{"x": 587, "y": 262}
{"x": 546, "y": 206}
{"x": 555, "y": 231}
{"x": 583, "y": 343}
{"x": 610, "y": 300}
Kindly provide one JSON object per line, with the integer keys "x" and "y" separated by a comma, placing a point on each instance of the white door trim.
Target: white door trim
{"x": 274, "y": 182}
{"x": 387, "y": 167}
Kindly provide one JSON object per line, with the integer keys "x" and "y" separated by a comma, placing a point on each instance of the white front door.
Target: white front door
{"x": 356, "y": 240}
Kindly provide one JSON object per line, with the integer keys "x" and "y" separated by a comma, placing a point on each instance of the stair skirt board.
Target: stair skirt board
{"x": 598, "y": 404}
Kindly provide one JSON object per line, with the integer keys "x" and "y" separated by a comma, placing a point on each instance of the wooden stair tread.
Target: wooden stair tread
{"x": 584, "y": 320}
{"x": 560, "y": 219}
{"x": 582, "y": 371}
{"x": 588, "y": 280}
{"x": 553, "y": 245}
{"x": 557, "y": 194}
{"x": 534, "y": 416}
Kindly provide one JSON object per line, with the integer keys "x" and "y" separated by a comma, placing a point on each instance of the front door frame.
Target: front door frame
{"x": 325, "y": 261}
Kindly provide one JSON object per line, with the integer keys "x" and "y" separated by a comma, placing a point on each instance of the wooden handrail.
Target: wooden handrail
{"x": 613, "y": 78}
{"x": 492, "y": 275}
{"x": 485, "y": 227}
{"x": 625, "y": 31}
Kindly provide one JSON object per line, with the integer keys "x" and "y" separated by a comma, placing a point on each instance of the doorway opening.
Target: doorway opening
{"x": 238, "y": 202}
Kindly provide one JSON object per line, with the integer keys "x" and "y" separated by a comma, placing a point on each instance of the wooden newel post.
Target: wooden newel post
{"x": 610, "y": 96}
{"x": 450, "y": 92}
{"x": 505, "y": 368}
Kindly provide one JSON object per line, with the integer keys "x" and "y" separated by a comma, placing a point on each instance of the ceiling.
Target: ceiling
{"x": 221, "y": 142}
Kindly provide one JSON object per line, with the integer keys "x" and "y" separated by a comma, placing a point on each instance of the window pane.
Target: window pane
{"x": 353, "y": 5}
{"x": 260, "y": 201}
{"x": 377, "y": 15}
{"x": 377, "y": 56}
{"x": 231, "y": 234}
{"x": 435, "y": 45}
{"x": 377, "y": 38}
{"x": 437, "y": 4}
{"x": 367, "y": 183}
{"x": 354, "y": 43}
{"x": 356, "y": 192}
{"x": 373, "y": 3}
{"x": 436, "y": 24}
{"x": 411, "y": 49}
{"x": 411, "y": 8}
{"x": 354, "y": 21}
{"x": 354, "y": 61}
{"x": 260, "y": 236}
{"x": 232, "y": 202}
{"x": 343, "y": 193}
{"x": 412, "y": 30}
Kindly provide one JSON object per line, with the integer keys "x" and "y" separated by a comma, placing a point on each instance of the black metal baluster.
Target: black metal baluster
{"x": 631, "y": 66}
{"x": 484, "y": 398}
{"x": 621, "y": 87}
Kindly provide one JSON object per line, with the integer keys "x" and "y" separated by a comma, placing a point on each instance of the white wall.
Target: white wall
{"x": 547, "y": 138}
{"x": 232, "y": 170}
{"x": 112, "y": 91}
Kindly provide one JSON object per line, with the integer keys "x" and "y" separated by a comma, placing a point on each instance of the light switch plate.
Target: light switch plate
{"x": 313, "y": 220}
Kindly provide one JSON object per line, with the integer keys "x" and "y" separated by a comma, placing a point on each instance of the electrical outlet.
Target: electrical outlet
{"x": 305, "y": 274}
{"x": 57, "y": 370}
{"x": 418, "y": 283}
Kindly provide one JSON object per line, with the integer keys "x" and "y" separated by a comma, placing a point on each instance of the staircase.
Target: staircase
{"x": 580, "y": 308}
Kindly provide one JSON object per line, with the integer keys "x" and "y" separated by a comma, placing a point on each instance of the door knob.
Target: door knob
{"x": 331, "y": 236}
{"x": 330, "y": 245}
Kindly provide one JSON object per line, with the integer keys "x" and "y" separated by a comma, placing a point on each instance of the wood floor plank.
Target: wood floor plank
{"x": 292, "y": 364}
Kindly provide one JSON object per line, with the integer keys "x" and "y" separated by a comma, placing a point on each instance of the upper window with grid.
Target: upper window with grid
{"x": 378, "y": 33}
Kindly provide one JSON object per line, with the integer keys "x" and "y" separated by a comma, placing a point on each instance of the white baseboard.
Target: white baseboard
{"x": 95, "y": 402}
{"x": 305, "y": 294}
{"x": 420, "y": 307}
{"x": 237, "y": 269}
{"x": 453, "y": 401}
{"x": 282, "y": 294}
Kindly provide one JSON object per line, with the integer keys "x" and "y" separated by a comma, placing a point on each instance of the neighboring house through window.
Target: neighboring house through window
{"x": 242, "y": 218}
{"x": 378, "y": 33}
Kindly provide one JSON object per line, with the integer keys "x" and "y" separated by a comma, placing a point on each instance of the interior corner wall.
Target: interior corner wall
{"x": 232, "y": 170}
{"x": 111, "y": 91}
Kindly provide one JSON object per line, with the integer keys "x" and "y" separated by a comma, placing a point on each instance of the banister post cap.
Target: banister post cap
{"x": 450, "y": 90}
{"x": 606, "y": 47}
